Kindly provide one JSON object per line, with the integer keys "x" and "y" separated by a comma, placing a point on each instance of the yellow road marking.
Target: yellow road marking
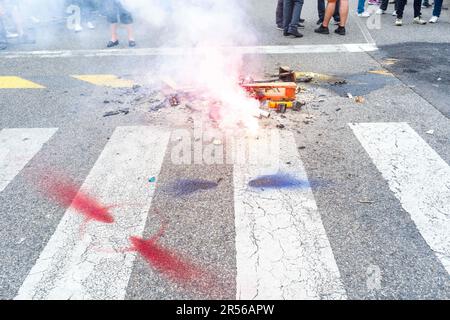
{"x": 382, "y": 72}
{"x": 11, "y": 82}
{"x": 105, "y": 80}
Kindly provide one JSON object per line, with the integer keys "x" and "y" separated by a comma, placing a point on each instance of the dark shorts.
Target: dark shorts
{"x": 115, "y": 13}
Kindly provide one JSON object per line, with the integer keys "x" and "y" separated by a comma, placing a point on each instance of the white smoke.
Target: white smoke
{"x": 210, "y": 30}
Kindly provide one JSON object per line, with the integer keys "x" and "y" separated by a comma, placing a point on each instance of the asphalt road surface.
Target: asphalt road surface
{"x": 358, "y": 207}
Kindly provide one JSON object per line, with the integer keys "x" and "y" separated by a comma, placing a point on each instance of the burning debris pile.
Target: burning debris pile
{"x": 239, "y": 104}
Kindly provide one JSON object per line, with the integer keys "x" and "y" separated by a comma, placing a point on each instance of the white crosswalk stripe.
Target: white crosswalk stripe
{"x": 282, "y": 249}
{"x": 74, "y": 266}
{"x": 418, "y": 177}
{"x": 17, "y": 148}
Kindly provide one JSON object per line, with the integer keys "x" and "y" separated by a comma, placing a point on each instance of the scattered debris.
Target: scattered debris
{"x": 174, "y": 101}
{"x": 301, "y": 147}
{"x": 117, "y": 112}
{"x": 349, "y": 95}
{"x": 360, "y": 99}
{"x": 280, "y": 126}
{"x": 152, "y": 179}
{"x": 217, "y": 142}
{"x": 430, "y": 132}
{"x": 366, "y": 201}
{"x": 318, "y": 77}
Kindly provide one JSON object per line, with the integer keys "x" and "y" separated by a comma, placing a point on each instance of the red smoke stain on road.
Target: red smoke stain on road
{"x": 165, "y": 261}
{"x": 172, "y": 265}
{"x": 67, "y": 194}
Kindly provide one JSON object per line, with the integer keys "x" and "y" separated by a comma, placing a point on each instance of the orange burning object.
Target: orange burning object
{"x": 273, "y": 91}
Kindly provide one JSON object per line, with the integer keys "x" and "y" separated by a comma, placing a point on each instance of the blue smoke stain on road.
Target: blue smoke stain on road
{"x": 278, "y": 181}
{"x": 284, "y": 181}
{"x": 183, "y": 187}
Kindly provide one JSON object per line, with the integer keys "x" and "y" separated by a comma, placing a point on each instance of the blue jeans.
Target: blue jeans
{"x": 361, "y": 5}
{"x": 437, "y": 8}
{"x": 292, "y": 11}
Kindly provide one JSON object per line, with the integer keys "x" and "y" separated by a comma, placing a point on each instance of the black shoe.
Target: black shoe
{"x": 3, "y": 46}
{"x": 319, "y": 21}
{"x": 301, "y": 20}
{"x": 322, "y": 30}
{"x": 301, "y": 26}
{"x": 112, "y": 44}
{"x": 132, "y": 43}
{"x": 340, "y": 30}
{"x": 294, "y": 33}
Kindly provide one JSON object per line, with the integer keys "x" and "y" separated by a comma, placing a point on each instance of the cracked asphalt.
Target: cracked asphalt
{"x": 364, "y": 223}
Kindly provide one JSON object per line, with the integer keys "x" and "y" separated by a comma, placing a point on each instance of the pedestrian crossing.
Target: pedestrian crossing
{"x": 282, "y": 249}
{"x": 17, "y": 148}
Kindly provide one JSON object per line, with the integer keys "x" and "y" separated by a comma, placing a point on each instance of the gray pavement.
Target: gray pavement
{"x": 378, "y": 232}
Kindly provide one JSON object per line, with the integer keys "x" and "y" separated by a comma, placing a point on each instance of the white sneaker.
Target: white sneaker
{"x": 90, "y": 25}
{"x": 394, "y": 13}
{"x": 380, "y": 11}
{"x": 398, "y": 22}
{"x": 365, "y": 14}
{"x": 419, "y": 20}
{"x": 434, "y": 19}
{"x": 78, "y": 28}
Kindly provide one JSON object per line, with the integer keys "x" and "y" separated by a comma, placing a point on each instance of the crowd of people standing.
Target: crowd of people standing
{"x": 288, "y": 14}
{"x": 114, "y": 11}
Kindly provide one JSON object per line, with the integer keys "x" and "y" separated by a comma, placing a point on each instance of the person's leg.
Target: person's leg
{"x": 343, "y": 13}
{"x": 426, "y": 3}
{"x": 111, "y": 12}
{"x": 361, "y": 6}
{"x": 417, "y": 8}
{"x": 296, "y": 12}
{"x": 279, "y": 14}
{"x": 127, "y": 19}
{"x": 301, "y": 10}
{"x": 384, "y": 5}
{"x": 86, "y": 10}
{"x": 400, "y": 8}
{"x": 336, "y": 16}
{"x": 437, "y": 8}
{"x": 288, "y": 6}
{"x": 329, "y": 11}
{"x": 114, "y": 36}
{"x": 321, "y": 9}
